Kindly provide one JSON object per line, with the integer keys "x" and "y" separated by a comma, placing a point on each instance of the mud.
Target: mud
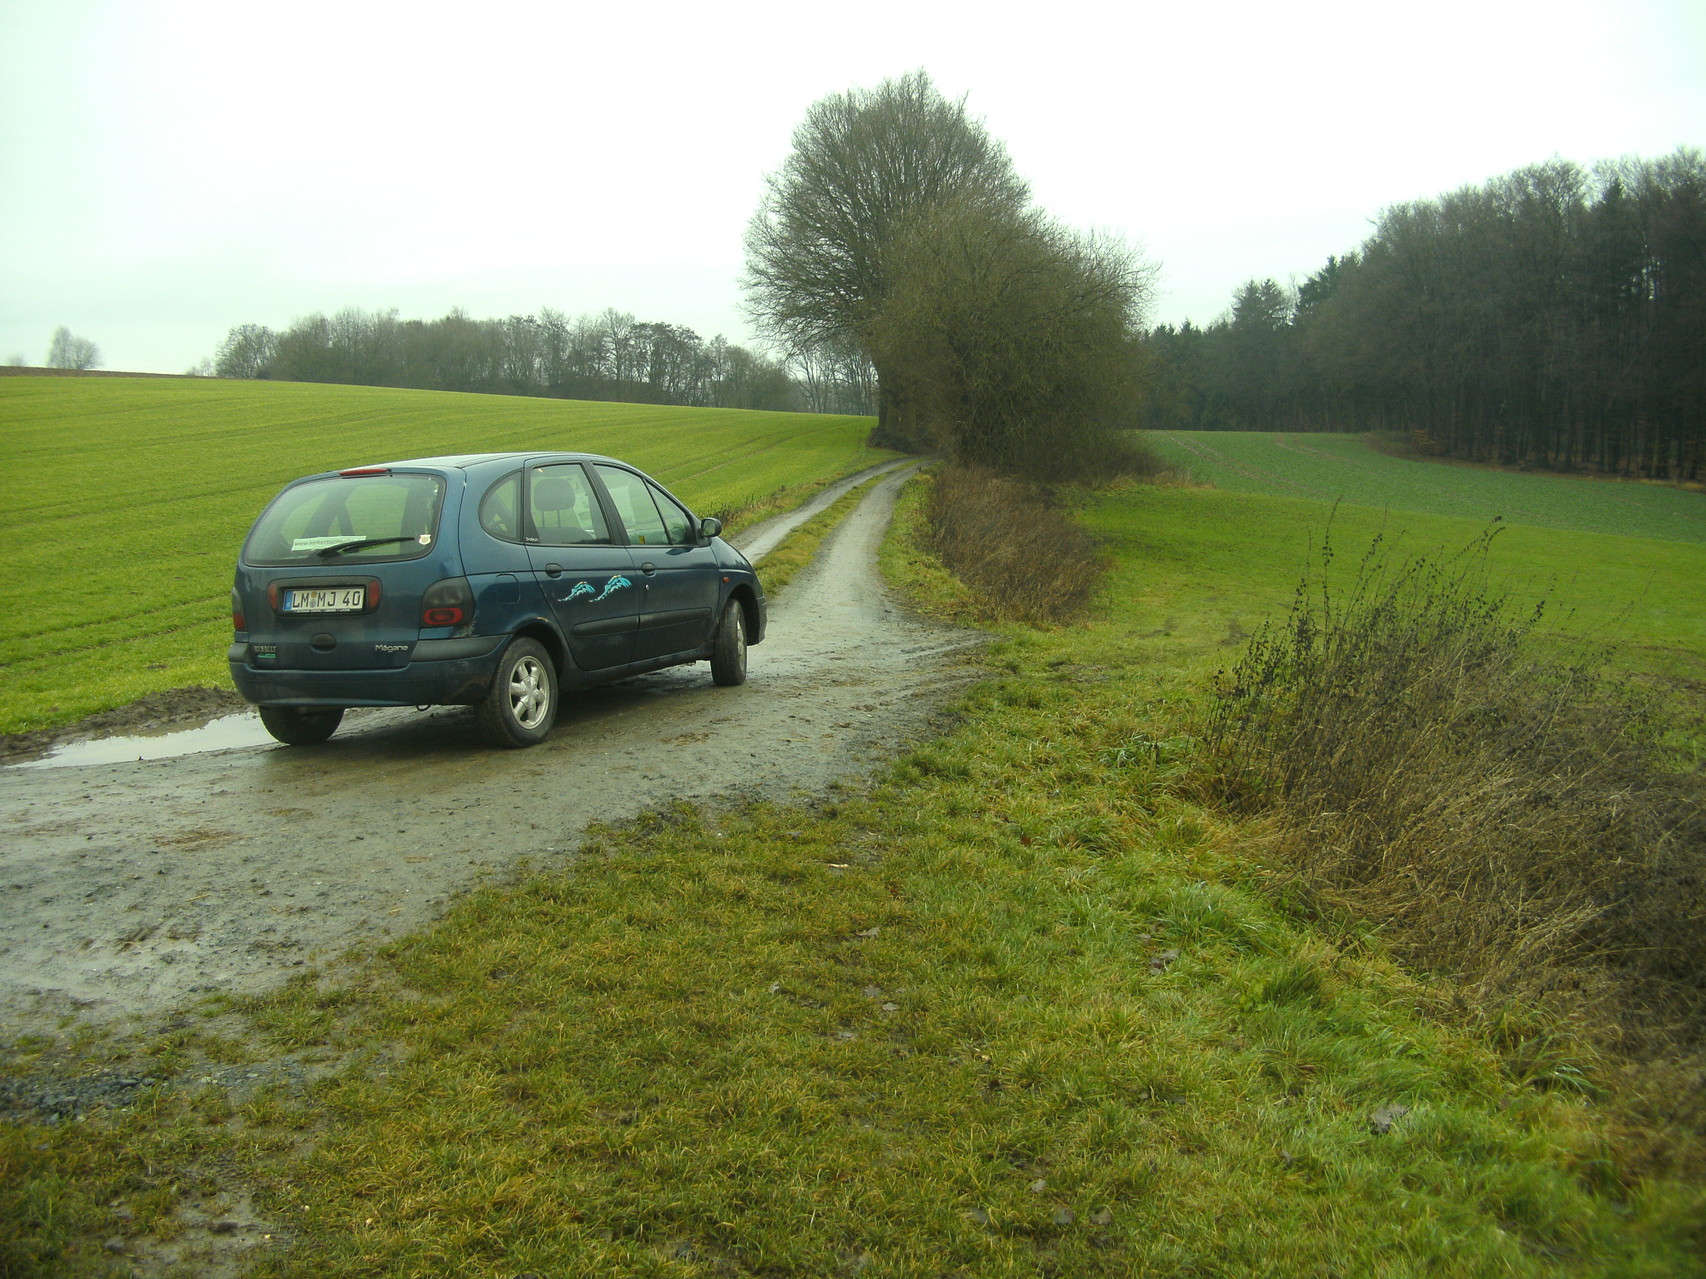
{"x": 157, "y": 715}
{"x": 128, "y": 886}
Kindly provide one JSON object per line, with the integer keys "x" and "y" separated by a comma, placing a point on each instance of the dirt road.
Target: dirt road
{"x": 128, "y": 888}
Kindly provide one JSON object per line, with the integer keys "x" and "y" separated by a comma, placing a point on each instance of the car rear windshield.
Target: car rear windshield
{"x": 346, "y": 519}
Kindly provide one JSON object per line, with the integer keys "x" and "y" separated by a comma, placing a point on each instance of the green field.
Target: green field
{"x": 127, "y": 500}
{"x": 1347, "y": 468}
{"x": 1618, "y": 563}
{"x": 1219, "y": 563}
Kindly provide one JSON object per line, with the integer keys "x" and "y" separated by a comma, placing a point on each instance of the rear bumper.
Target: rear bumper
{"x": 440, "y": 673}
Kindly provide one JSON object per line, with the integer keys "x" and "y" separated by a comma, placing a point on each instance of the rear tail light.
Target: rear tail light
{"x": 448, "y": 603}
{"x": 238, "y": 621}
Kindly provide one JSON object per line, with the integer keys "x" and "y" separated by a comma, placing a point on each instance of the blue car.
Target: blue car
{"x": 494, "y": 580}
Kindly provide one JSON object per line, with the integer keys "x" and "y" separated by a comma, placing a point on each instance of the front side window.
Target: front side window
{"x": 349, "y": 519}
{"x": 633, "y": 499}
{"x": 562, "y": 509}
{"x": 677, "y": 523}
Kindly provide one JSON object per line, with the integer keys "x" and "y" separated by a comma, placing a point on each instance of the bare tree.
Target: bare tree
{"x": 248, "y": 351}
{"x": 835, "y": 377}
{"x": 863, "y": 161}
{"x": 68, "y": 351}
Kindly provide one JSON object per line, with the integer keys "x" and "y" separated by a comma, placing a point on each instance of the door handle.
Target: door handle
{"x": 553, "y": 570}
{"x": 648, "y": 568}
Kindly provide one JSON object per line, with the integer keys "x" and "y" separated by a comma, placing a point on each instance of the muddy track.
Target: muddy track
{"x": 127, "y": 889}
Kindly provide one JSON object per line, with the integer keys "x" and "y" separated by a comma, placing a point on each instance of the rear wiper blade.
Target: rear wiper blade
{"x": 326, "y": 552}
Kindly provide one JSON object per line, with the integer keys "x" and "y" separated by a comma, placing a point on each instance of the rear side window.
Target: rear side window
{"x": 349, "y": 520}
{"x": 500, "y": 509}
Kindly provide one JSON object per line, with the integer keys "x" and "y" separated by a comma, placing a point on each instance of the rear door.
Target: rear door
{"x": 587, "y": 574}
{"x": 680, "y": 583}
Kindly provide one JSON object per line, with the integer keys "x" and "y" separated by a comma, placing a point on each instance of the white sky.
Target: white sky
{"x": 172, "y": 168}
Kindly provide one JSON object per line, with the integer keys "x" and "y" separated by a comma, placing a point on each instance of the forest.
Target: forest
{"x": 1552, "y": 318}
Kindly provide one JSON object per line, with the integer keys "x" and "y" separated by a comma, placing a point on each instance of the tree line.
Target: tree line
{"x": 607, "y": 356}
{"x": 1554, "y": 317}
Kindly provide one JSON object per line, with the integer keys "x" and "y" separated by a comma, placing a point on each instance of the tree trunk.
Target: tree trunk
{"x": 897, "y": 425}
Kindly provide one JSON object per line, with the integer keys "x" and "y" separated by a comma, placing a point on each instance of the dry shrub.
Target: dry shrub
{"x": 1082, "y": 455}
{"x": 1504, "y": 819}
{"x": 1098, "y": 457}
{"x": 1009, "y": 542}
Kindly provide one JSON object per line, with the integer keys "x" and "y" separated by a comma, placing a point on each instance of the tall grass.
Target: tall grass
{"x": 1501, "y": 815}
{"x": 1011, "y": 543}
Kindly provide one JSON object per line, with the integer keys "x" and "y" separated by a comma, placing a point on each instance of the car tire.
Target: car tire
{"x": 301, "y": 725}
{"x": 728, "y": 649}
{"x": 520, "y": 708}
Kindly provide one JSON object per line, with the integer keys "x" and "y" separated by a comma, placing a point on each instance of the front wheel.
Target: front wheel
{"x": 521, "y": 706}
{"x": 728, "y": 650}
{"x": 301, "y": 725}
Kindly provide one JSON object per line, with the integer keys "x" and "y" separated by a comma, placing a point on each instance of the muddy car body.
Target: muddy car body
{"x": 489, "y": 580}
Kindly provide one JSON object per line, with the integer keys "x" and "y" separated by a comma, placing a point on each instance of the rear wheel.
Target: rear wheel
{"x": 301, "y": 725}
{"x": 521, "y": 706}
{"x": 728, "y": 650}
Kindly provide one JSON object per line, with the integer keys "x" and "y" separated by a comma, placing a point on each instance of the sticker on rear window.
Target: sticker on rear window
{"x": 355, "y": 543}
{"x": 319, "y": 543}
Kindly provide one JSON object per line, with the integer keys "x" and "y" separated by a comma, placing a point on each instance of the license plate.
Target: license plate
{"x": 338, "y": 599}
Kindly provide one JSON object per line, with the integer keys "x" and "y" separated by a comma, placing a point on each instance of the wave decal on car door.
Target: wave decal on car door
{"x": 610, "y": 588}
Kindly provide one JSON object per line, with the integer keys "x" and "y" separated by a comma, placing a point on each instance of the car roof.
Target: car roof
{"x": 467, "y": 461}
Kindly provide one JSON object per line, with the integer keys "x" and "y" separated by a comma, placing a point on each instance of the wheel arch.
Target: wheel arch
{"x": 548, "y": 638}
{"x": 746, "y": 596}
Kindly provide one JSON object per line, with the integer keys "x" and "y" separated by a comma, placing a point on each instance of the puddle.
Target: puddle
{"x": 241, "y": 729}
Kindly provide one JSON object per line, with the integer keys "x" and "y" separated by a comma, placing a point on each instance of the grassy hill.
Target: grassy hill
{"x": 127, "y": 498}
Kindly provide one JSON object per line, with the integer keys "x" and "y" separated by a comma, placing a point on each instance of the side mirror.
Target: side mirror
{"x": 710, "y": 527}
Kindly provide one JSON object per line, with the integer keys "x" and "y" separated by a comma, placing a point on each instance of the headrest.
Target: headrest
{"x": 553, "y": 493}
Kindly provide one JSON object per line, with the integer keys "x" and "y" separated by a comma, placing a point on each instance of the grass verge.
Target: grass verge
{"x": 957, "y": 1025}
{"x": 1505, "y": 818}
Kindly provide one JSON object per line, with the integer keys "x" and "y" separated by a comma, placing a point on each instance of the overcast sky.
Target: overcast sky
{"x": 172, "y": 168}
